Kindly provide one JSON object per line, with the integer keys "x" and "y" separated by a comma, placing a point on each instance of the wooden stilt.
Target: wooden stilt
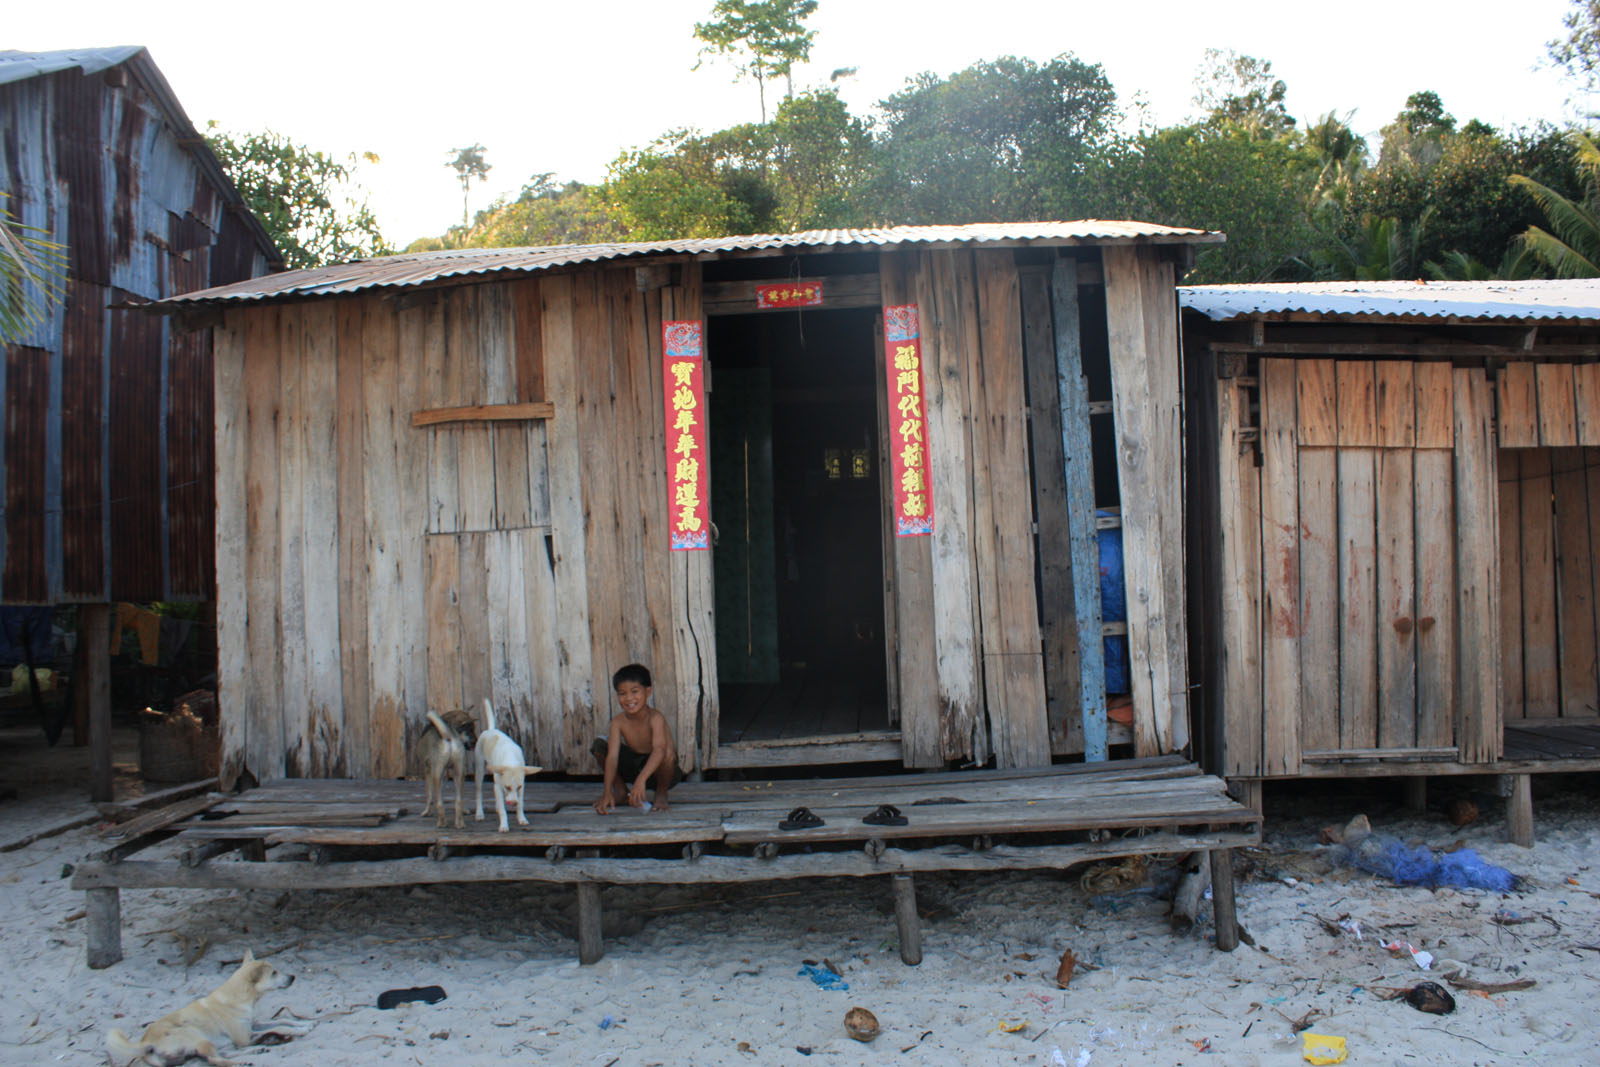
{"x": 255, "y": 851}
{"x": 1519, "y": 811}
{"x": 94, "y": 631}
{"x": 591, "y": 942}
{"x": 103, "y": 927}
{"x": 1416, "y": 794}
{"x": 906, "y": 920}
{"x": 1247, "y": 791}
{"x": 1222, "y": 905}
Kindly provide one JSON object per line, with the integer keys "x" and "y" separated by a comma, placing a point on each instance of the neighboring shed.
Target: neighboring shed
{"x": 1394, "y": 568}
{"x": 444, "y": 477}
{"x": 108, "y": 414}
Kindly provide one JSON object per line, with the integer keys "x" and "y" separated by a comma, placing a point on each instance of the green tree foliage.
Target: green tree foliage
{"x": 1572, "y": 250}
{"x": 1009, "y": 139}
{"x": 819, "y": 156}
{"x": 306, "y": 200}
{"x": 1241, "y": 92}
{"x": 33, "y": 276}
{"x": 468, "y": 163}
{"x": 766, "y": 38}
{"x": 1577, "y": 51}
{"x": 686, "y": 184}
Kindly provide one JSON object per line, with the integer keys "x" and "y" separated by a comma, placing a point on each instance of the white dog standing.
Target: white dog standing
{"x": 503, "y": 758}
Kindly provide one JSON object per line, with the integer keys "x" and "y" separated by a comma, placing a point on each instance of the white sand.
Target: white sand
{"x": 709, "y": 976}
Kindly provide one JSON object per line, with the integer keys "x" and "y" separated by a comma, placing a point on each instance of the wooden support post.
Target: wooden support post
{"x": 94, "y": 631}
{"x": 1222, "y": 905}
{"x": 1417, "y": 794}
{"x": 591, "y": 942}
{"x": 1247, "y": 791}
{"x": 255, "y": 851}
{"x": 1519, "y": 811}
{"x": 906, "y": 920}
{"x": 104, "y": 927}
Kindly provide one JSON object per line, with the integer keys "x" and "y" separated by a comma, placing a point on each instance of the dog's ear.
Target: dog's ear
{"x": 249, "y": 957}
{"x": 500, "y": 769}
{"x": 532, "y": 770}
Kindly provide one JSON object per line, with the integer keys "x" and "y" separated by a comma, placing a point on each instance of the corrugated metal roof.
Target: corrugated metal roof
{"x": 423, "y": 267}
{"x": 1572, "y": 299}
{"x": 17, "y": 66}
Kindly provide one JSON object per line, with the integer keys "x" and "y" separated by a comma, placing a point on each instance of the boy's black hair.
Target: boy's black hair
{"x": 633, "y": 672}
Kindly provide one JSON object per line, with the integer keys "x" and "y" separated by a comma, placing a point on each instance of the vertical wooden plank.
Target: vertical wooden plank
{"x": 1477, "y": 557}
{"x": 1320, "y": 614}
{"x": 1396, "y": 404}
{"x": 476, "y": 607}
{"x": 232, "y": 461}
{"x": 1558, "y": 414}
{"x": 891, "y": 579}
{"x": 442, "y": 603}
{"x": 1580, "y": 694}
{"x": 1318, "y": 419}
{"x": 910, "y": 561}
{"x": 528, "y": 340}
{"x": 319, "y": 393}
{"x": 418, "y": 329}
{"x": 1053, "y": 544}
{"x": 293, "y": 466}
{"x": 1435, "y": 416}
{"x": 1512, "y": 703}
{"x": 1142, "y": 333}
{"x": 1083, "y": 552}
{"x": 510, "y": 673}
{"x": 350, "y": 455}
{"x": 1280, "y": 569}
{"x": 542, "y": 627}
{"x": 1397, "y": 600}
{"x": 633, "y": 461}
{"x": 1022, "y": 734}
{"x": 1586, "y": 399}
{"x": 564, "y": 452}
{"x": 1239, "y": 584}
{"x": 944, "y": 295}
{"x": 467, "y": 337}
{"x": 694, "y": 602}
{"x": 1436, "y": 590}
{"x": 650, "y": 430}
{"x": 510, "y": 440}
{"x": 440, "y": 358}
{"x": 1358, "y": 596}
{"x": 1356, "y": 403}
{"x": 602, "y": 514}
{"x": 1519, "y": 406}
{"x": 1591, "y": 470}
{"x": 386, "y": 567}
{"x": 264, "y": 736}
{"x": 1540, "y": 678}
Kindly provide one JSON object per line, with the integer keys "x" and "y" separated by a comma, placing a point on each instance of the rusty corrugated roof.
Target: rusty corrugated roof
{"x": 1570, "y": 299}
{"x": 423, "y": 267}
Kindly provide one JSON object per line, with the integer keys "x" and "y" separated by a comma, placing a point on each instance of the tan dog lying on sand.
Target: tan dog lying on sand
{"x": 194, "y": 1030}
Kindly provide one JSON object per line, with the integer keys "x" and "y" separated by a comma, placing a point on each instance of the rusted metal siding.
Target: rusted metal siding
{"x": 108, "y": 446}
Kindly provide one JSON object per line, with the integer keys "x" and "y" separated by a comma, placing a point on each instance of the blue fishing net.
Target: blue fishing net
{"x": 1388, "y": 856}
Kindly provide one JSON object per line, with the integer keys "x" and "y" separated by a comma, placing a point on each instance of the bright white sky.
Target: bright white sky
{"x": 563, "y": 87}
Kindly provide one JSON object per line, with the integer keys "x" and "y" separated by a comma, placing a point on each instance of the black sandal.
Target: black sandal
{"x": 886, "y": 815}
{"x": 800, "y": 819}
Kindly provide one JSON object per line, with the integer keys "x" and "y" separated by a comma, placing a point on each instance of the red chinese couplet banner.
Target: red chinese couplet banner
{"x": 908, "y": 423}
{"x": 788, "y": 295}
{"x": 688, "y": 507}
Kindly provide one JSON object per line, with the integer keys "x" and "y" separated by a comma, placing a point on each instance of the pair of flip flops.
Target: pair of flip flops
{"x": 806, "y": 819}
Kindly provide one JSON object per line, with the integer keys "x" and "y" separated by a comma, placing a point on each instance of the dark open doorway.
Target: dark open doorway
{"x": 798, "y": 513}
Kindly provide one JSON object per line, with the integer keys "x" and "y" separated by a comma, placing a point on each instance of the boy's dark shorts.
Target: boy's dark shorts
{"x": 630, "y": 764}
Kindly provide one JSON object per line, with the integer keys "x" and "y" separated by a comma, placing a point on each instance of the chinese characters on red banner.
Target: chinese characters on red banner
{"x": 908, "y": 423}
{"x": 788, "y": 295}
{"x": 689, "y": 516}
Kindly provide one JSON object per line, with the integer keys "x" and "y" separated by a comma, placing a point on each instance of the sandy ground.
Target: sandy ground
{"x": 712, "y": 976}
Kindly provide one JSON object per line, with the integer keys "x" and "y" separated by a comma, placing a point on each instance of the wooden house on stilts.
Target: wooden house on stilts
{"x": 1394, "y": 493}
{"x": 450, "y": 476}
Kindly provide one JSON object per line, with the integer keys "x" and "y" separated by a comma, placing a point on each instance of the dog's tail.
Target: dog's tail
{"x": 442, "y": 726}
{"x": 123, "y": 1050}
{"x": 488, "y": 714}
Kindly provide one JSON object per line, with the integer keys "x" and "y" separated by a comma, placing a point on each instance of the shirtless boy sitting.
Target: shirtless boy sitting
{"x": 638, "y": 749}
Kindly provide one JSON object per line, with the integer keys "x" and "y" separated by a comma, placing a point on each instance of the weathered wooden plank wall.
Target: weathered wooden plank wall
{"x": 372, "y": 569}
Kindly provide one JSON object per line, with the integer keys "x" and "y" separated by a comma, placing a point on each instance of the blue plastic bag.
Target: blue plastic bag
{"x": 1386, "y": 855}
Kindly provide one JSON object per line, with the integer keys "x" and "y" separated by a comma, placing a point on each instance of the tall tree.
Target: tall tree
{"x": 686, "y": 184}
{"x": 765, "y": 37}
{"x": 306, "y": 200}
{"x": 468, "y": 164}
{"x": 1000, "y": 141}
{"x": 1239, "y": 90}
{"x": 1577, "y": 51}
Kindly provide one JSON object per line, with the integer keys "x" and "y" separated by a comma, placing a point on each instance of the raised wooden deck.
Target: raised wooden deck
{"x": 330, "y": 834}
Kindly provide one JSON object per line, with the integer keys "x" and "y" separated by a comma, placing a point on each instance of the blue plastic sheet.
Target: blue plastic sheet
{"x": 824, "y": 978}
{"x": 1113, "y": 607}
{"x": 1386, "y": 855}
